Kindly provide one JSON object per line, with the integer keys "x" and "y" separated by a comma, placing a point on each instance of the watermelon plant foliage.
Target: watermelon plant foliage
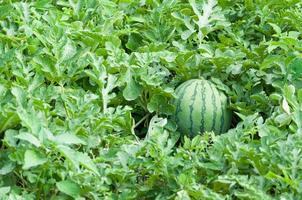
{"x": 86, "y": 92}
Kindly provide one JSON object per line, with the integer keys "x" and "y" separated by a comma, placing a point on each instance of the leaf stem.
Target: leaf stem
{"x": 142, "y": 119}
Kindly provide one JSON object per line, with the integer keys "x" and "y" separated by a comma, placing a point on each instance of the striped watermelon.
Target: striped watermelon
{"x": 201, "y": 107}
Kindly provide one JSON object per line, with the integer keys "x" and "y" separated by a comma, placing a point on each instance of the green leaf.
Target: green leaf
{"x": 20, "y": 96}
{"x": 182, "y": 195}
{"x": 8, "y": 120}
{"x": 68, "y": 138}
{"x": 296, "y": 66}
{"x": 159, "y": 103}
{"x": 67, "y": 51}
{"x": 70, "y": 154}
{"x": 7, "y": 168}
{"x": 186, "y": 34}
{"x": 29, "y": 138}
{"x": 134, "y": 41}
{"x": 4, "y": 190}
{"x": 77, "y": 158}
{"x": 276, "y": 28}
{"x": 70, "y": 188}
{"x": 285, "y": 106}
{"x": 86, "y": 161}
{"x": 132, "y": 90}
{"x": 33, "y": 159}
{"x": 283, "y": 119}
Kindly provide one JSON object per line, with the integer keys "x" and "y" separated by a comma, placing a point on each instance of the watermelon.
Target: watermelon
{"x": 201, "y": 107}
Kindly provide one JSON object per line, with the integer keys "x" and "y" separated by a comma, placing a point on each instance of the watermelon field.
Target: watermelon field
{"x": 150, "y": 99}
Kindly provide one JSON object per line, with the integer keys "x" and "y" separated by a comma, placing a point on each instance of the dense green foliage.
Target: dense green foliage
{"x": 86, "y": 88}
{"x": 200, "y": 107}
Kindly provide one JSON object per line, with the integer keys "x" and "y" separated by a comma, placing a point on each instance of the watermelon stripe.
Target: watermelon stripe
{"x": 214, "y": 107}
{"x": 184, "y": 114}
{"x": 203, "y": 109}
{"x": 191, "y": 109}
{"x": 181, "y": 95}
{"x": 218, "y": 111}
{"x": 221, "y": 119}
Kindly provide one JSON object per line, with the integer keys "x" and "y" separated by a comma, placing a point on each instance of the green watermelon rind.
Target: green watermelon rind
{"x": 201, "y": 107}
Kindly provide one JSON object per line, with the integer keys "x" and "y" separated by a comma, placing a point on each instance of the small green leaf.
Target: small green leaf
{"x": 182, "y": 195}
{"x": 7, "y": 168}
{"x": 67, "y": 51}
{"x": 8, "y": 120}
{"x": 275, "y": 97}
{"x": 276, "y": 28}
{"x": 285, "y": 106}
{"x": 20, "y": 96}
{"x": 159, "y": 103}
{"x": 3, "y": 191}
{"x": 70, "y": 188}
{"x": 296, "y": 66}
{"x": 186, "y": 34}
{"x": 283, "y": 119}
{"x": 67, "y": 138}
{"x": 134, "y": 41}
{"x": 32, "y": 159}
{"x": 86, "y": 161}
{"x": 29, "y": 138}
{"x": 77, "y": 158}
{"x": 132, "y": 90}
{"x": 70, "y": 154}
